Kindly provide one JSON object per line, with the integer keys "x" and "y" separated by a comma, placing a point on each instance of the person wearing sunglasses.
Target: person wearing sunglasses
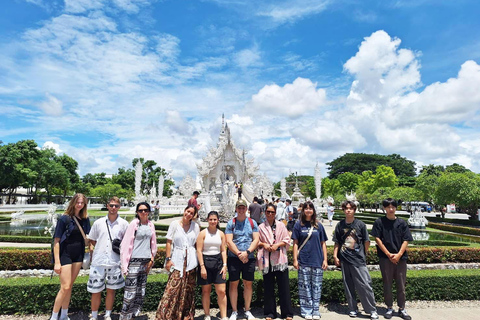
{"x": 137, "y": 254}
{"x": 105, "y": 271}
{"x": 272, "y": 261}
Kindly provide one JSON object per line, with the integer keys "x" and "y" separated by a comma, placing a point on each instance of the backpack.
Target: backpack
{"x": 249, "y": 219}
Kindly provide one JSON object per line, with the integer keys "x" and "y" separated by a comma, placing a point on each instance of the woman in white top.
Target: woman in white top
{"x": 212, "y": 258}
{"x": 330, "y": 212}
{"x": 181, "y": 260}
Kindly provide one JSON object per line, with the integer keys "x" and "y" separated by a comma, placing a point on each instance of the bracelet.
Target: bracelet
{"x": 224, "y": 264}
{"x": 202, "y": 265}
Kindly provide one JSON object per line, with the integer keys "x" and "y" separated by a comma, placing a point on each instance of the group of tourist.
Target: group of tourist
{"x": 204, "y": 257}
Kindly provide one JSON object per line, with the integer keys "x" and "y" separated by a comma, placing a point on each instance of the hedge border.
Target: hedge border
{"x": 457, "y": 229}
{"x": 17, "y": 259}
{"x": 36, "y": 295}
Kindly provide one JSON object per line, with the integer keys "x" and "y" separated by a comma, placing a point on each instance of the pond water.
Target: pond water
{"x": 34, "y": 225}
{"x": 421, "y": 235}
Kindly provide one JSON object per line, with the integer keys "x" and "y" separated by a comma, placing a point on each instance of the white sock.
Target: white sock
{"x": 54, "y": 316}
{"x": 108, "y": 313}
{"x": 95, "y": 314}
{"x": 64, "y": 313}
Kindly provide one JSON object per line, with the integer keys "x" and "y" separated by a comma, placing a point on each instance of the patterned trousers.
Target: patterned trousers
{"x": 135, "y": 284}
{"x": 310, "y": 290}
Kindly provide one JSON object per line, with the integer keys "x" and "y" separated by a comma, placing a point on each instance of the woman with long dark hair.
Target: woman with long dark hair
{"x": 212, "y": 258}
{"x": 181, "y": 261}
{"x": 137, "y": 254}
{"x": 310, "y": 258}
{"x": 69, "y": 250}
{"x": 272, "y": 260}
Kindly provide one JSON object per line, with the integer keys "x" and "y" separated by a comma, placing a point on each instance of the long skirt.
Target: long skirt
{"x": 178, "y": 302}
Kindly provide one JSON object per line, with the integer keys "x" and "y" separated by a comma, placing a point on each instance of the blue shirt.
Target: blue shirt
{"x": 242, "y": 235}
{"x": 311, "y": 254}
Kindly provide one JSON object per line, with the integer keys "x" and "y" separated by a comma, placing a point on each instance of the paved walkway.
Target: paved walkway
{"x": 423, "y": 310}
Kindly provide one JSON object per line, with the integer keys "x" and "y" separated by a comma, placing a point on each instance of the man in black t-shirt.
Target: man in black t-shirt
{"x": 392, "y": 236}
{"x": 351, "y": 245}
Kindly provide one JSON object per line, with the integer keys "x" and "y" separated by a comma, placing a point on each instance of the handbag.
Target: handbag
{"x": 115, "y": 242}
{"x": 86, "y": 258}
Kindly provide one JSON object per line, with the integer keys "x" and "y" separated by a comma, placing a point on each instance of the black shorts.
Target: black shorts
{"x": 71, "y": 253}
{"x": 235, "y": 266}
{"x": 214, "y": 265}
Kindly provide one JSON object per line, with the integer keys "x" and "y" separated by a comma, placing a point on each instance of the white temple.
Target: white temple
{"x": 225, "y": 162}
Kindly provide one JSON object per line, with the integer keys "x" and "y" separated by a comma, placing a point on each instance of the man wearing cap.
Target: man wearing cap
{"x": 242, "y": 239}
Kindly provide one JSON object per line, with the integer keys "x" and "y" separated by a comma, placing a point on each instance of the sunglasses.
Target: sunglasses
{"x": 143, "y": 210}
{"x": 270, "y": 211}
{"x": 114, "y": 205}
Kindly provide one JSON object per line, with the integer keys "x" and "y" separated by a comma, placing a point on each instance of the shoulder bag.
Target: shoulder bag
{"x": 308, "y": 237}
{"x": 86, "y": 258}
{"x": 115, "y": 242}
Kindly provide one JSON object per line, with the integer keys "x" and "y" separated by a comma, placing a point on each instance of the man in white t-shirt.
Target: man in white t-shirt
{"x": 105, "y": 270}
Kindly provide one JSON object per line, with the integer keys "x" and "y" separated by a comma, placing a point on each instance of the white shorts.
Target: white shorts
{"x": 101, "y": 276}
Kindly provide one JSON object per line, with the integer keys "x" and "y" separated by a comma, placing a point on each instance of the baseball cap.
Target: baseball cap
{"x": 241, "y": 202}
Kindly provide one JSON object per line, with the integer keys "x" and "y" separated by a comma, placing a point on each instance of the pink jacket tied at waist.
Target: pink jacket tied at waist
{"x": 126, "y": 248}
{"x": 279, "y": 257}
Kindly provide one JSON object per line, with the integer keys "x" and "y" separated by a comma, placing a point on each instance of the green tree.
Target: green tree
{"x": 17, "y": 162}
{"x": 457, "y": 168}
{"x": 106, "y": 191}
{"x": 348, "y": 181}
{"x": 463, "y": 189}
{"x": 96, "y": 179}
{"x": 426, "y": 182}
{"x": 385, "y": 177}
{"x": 330, "y": 187}
{"x": 359, "y": 162}
{"x": 150, "y": 175}
{"x": 406, "y": 194}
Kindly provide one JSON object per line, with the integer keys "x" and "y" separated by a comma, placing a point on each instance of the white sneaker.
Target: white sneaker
{"x": 374, "y": 315}
{"x": 107, "y": 318}
{"x": 352, "y": 314}
{"x": 316, "y": 317}
{"x": 308, "y": 317}
{"x": 249, "y": 315}
{"x": 206, "y": 318}
{"x": 234, "y": 315}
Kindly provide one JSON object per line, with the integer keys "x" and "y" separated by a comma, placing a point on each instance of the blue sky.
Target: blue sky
{"x": 299, "y": 81}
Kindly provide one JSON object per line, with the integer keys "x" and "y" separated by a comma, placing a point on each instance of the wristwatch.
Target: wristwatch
{"x": 168, "y": 259}
{"x": 248, "y": 252}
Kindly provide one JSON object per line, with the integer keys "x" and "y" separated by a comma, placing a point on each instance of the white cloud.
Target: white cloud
{"x": 176, "y": 122}
{"x": 293, "y": 100}
{"x": 241, "y": 121}
{"x": 52, "y": 106}
{"x": 329, "y": 135}
{"x": 52, "y": 145}
{"x": 291, "y": 10}
{"x": 248, "y": 58}
{"x": 81, "y": 6}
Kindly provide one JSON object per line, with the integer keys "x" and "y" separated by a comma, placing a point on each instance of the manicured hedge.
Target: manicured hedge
{"x": 26, "y": 239}
{"x": 20, "y": 259}
{"x": 36, "y": 295}
{"x": 457, "y": 229}
{"x": 455, "y": 221}
{"x": 5, "y": 219}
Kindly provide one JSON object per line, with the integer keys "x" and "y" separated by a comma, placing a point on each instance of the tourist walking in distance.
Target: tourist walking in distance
{"x": 330, "y": 212}
{"x": 392, "y": 236}
{"x": 272, "y": 261}
{"x": 69, "y": 250}
{"x": 351, "y": 247}
{"x": 255, "y": 211}
{"x": 178, "y": 301}
{"x": 105, "y": 271}
{"x": 242, "y": 239}
{"x": 310, "y": 258}
{"x": 137, "y": 254}
{"x": 212, "y": 258}
{"x": 193, "y": 200}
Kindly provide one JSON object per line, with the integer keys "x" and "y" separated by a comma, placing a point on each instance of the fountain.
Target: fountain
{"x": 417, "y": 220}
